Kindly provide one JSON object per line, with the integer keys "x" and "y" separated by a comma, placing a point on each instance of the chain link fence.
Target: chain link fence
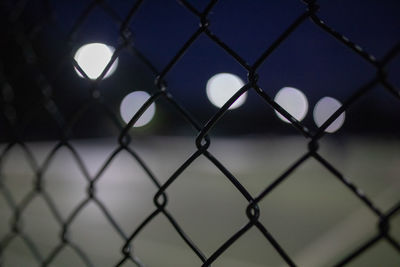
{"x": 19, "y": 106}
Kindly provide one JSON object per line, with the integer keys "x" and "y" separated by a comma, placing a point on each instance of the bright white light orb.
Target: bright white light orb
{"x": 325, "y": 108}
{"x": 293, "y": 101}
{"x": 93, "y": 59}
{"x": 222, "y": 86}
{"x": 132, "y": 103}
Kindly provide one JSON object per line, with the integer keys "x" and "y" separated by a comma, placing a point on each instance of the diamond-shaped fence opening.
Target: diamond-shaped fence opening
{"x": 180, "y": 133}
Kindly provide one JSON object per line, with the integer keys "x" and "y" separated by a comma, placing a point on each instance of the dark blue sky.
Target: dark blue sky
{"x": 310, "y": 59}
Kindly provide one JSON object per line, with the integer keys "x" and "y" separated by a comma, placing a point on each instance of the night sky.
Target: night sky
{"x": 309, "y": 59}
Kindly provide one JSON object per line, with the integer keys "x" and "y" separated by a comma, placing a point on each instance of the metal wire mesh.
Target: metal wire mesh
{"x": 14, "y": 130}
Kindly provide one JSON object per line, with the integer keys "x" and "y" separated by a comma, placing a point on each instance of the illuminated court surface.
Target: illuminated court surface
{"x": 312, "y": 215}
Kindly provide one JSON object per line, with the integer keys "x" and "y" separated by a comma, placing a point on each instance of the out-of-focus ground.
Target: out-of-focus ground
{"x": 312, "y": 215}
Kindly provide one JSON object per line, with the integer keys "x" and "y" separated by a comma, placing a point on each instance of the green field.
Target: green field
{"x": 312, "y": 215}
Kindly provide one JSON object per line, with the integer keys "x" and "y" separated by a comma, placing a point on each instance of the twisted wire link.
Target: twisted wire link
{"x": 44, "y": 83}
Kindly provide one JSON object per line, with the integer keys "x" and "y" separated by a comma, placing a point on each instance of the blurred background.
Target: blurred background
{"x": 61, "y": 128}
{"x": 309, "y": 60}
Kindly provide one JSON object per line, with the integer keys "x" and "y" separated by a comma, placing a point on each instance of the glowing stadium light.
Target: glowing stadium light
{"x": 132, "y": 103}
{"x": 93, "y": 58}
{"x": 324, "y": 108}
{"x": 221, "y": 87}
{"x": 293, "y": 101}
